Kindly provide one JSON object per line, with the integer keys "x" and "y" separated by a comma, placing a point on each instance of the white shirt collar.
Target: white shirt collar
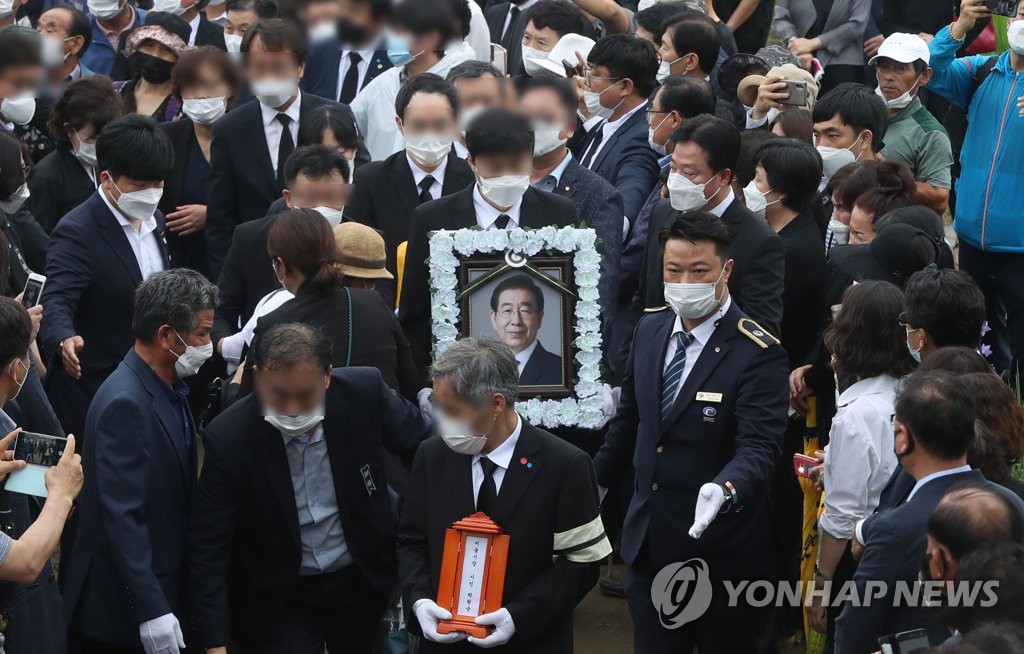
{"x": 418, "y": 174}
{"x": 935, "y": 475}
{"x": 702, "y": 332}
{"x": 869, "y": 386}
{"x": 502, "y": 455}
{"x": 148, "y": 225}
{"x": 270, "y": 114}
{"x": 724, "y": 204}
{"x": 524, "y": 355}
{"x": 612, "y": 125}
{"x": 194, "y": 24}
{"x": 486, "y": 214}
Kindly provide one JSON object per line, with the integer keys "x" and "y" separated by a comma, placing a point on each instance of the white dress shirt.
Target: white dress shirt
{"x": 719, "y": 210}
{"x": 523, "y": 7}
{"x": 460, "y": 150}
{"x": 609, "y": 128}
{"x": 418, "y": 175}
{"x": 272, "y": 128}
{"x": 479, "y": 37}
{"x": 366, "y": 55}
{"x": 524, "y": 356}
{"x": 143, "y": 241}
{"x": 501, "y": 455}
{"x": 859, "y": 457}
{"x": 486, "y": 215}
{"x": 700, "y": 336}
{"x": 194, "y": 27}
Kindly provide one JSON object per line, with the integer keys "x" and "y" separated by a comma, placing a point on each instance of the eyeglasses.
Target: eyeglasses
{"x": 654, "y": 112}
{"x": 589, "y": 76}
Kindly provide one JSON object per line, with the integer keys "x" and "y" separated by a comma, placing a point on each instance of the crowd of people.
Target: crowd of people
{"x": 810, "y": 244}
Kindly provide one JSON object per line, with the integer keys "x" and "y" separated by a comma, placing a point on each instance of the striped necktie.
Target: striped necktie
{"x": 674, "y": 373}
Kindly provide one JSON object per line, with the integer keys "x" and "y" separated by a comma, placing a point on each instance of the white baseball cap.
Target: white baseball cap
{"x": 566, "y": 48}
{"x": 904, "y": 48}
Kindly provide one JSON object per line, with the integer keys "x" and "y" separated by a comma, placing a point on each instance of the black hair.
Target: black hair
{"x": 425, "y": 83}
{"x": 917, "y": 215}
{"x": 938, "y": 412}
{"x": 627, "y": 56}
{"x": 796, "y": 124}
{"x": 15, "y": 331}
{"x": 472, "y": 69}
{"x": 699, "y": 36}
{"x": 378, "y": 8}
{"x": 794, "y": 168}
{"x": 277, "y": 35}
{"x": 652, "y": 18}
{"x": 520, "y": 283}
{"x": 562, "y": 88}
{"x": 424, "y": 17}
{"x": 134, "y": 146}
{"x": 689, "y": 96}
{"x": 560, "y": 16}
{"x": 865, "y": 338}
{"x": 956, "y": 359}
{"x": 303, "y": 240}
{"x": 288, "y": 345}
{"x": 499, "y": 131}
{"x": 461, "y": 14}
{"x": 696, "y": 226}
{"x": 19, "y": 49}
{"x": 751, "y": 141}
{"x": 857, "y": 106}
{"x": 12, "y": 152}
{"x": 80, "y": 26}
{"x": 1000, "y": 567}
{"x": 718, "y": 138}
{"x": 329, "y": 117}
{"x": 262, "y": 8}
{"x": 315, "y": 162}
{"x": 948, "y": 305}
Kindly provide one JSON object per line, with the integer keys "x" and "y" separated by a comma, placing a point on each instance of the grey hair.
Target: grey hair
{"x": 473, "y": 69}
{"x": 288, "y": 345}
{"x": 477, "y": 367}
{"x": 171, "y": 298}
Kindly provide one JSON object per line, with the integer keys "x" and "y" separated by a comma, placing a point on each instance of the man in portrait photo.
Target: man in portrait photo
{"x": 517, "y": 312}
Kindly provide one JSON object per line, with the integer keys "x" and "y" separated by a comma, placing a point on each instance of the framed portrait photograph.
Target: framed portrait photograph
{"x": 536, "y": 291}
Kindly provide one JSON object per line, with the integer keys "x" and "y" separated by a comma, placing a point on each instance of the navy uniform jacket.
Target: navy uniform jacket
{"x": 732, "y": 433}
{"x": 322, "y": 64}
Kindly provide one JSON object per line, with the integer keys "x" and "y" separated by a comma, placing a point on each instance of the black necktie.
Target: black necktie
{"x": 502, "y": 221}
{"x": 595, "y": 143}
{"x": 510, "y": 30}
{"x": 350, "y": 85}
{"x": 425, "y": 185}
{"x": 488, "y": 495}
{"x": 285, "y": 148}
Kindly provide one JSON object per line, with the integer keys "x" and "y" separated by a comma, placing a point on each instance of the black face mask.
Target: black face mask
{"x": 349, "y": 33}
{"x": 152, "y": 69}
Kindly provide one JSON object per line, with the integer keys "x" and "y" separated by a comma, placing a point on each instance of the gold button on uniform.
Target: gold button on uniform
{"x": 654, "y": 487}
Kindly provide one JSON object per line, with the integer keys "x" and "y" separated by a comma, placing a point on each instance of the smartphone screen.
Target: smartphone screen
{"x": 499, "y": 58}
{"x": 33, "y": 290}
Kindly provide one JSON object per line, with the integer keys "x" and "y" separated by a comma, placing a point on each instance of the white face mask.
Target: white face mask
{"x": 333, "y": 216}
{"x": 466, "y": 117}
{"x": 86, "y": 152}
{"x": 428, "y": 149}
{"x": 21, "y": 384}
{"x": 274, "y": 92}
{"x": 545, "y": 139}
{"x": 903, "y": 100}
{"x": 105, "y": 9}
{"x": 16, "y": 200}
{"x": 139, "y": 205}
{"x": 685, "y": 195}
{"x": 693, "y": 301}
{"x": 19, "y": 109}
{"x": 293, "y": 426}
{"x": 665, "y": 69}
{"x": 660, "y": 148}
{"x": 204, "y": 111}
{"x": 1015, "y": 35}
{"x": 233, "y": 43}
{"x": 504, "y": 191}
{"x": 532, "y": 69}
{"x": 757, "y": 201}
{"x": 323, "y": 31}
{"x": 53, "y": 51}
{"x": 594, "y": 106}
{"x": 832, "y": 159}
{"x": 192, "y": 359}
{"x": 458, "y": 435}
{"x": 170, "y": 6}
{"x": 840, "y": 232}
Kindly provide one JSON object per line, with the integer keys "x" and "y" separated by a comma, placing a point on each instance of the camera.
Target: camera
{"x": 797, "y": 94}
{"x": 914, "y": 641}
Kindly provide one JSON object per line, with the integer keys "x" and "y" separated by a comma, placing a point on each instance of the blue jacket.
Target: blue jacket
{"x": 991, "y": 165}
{"x": 321, "y": 74}
{"x": 99, "y": 58}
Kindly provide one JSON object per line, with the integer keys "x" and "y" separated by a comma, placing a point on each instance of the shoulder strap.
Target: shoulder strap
{"x": 978, "y": 78}
{"x": 348, "y": 354}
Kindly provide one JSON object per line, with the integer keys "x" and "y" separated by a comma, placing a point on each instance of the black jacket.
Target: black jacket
{"x": 242, "y": 179}
{"x": 456, "y": 211}
{"x": 247, "y": 276}
{"x": 495, "y": 16}
{"x": 244, "y": 540}
{"x": 384, "y": 195}
{"x": 59, "y": 185}
{"x": 543, "y": 369}
{"x": 185, "y": 251}
{"x": 803, "y": 297}
{"x": 548, "y": 490}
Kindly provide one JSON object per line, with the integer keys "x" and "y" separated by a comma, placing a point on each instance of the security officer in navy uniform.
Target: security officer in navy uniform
{"x": 701, "y": 417}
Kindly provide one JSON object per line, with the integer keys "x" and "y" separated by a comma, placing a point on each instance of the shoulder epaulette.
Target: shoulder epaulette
{"x": 756, "y": 333}
{"x": 655, "y": 309}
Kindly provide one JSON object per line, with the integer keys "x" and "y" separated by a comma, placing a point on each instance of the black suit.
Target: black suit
{"x": 242, "y": 179}
{"x": 186, "y": 251}
{"x": 384, "y": 196}
{"x": 495, "y": 17}
{"x": 324, "y": 61}
{"x": 247, "y": 276}
{"x": 803, "y": 297}
{"x": 245, "y": 543}
{"x": 539, "y": 592}
{"x": 456, "y": 211}
{"x": 543, "y": 368}
{"x": 58, "y": 185}
{"x": 208, "y": 33}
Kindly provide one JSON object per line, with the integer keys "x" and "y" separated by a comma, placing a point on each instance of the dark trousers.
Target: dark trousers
{"x": 722, "y": 629}
{"x": 843, "y": 573}
{"x": 1001, "y": 278}
{"x": 89, "y": 646}
{"x": 341, "y": 609}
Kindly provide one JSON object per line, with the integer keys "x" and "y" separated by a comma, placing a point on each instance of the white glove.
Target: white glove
{"x": 427, "y": 612}
{"x": 504, "y": 629}
{"x": 709, "y": 501}
{"x": 609, "y": 403}
{"x": 162, "y": 635}
{"x": 423, "y": 398}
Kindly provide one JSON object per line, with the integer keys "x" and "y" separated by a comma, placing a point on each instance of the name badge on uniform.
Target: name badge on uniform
{"x": 371, "y": 488}
{"x": 704, "y": 396}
